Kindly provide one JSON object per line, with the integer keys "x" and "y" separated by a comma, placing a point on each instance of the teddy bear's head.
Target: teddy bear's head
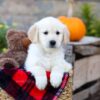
{"x": 18, "y": 43}
{"x": 17, "y": 40}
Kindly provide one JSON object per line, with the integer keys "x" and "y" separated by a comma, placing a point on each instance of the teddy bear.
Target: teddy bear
{"x": 18, "y": 43}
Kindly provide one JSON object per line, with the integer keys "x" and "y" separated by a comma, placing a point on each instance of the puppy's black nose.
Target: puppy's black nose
{"x": 52, "y": 43}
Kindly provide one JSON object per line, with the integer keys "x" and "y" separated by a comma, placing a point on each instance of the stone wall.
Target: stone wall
{"x": 86, "y": 79}
{"x": 86, "y": 70}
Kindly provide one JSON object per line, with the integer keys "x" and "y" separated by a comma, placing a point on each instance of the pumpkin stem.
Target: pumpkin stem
{"x": 70, "y": 7}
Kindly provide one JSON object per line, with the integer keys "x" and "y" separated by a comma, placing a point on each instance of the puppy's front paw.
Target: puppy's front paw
{"x": 41, "y": 82}
{"x": 55, "y": 79}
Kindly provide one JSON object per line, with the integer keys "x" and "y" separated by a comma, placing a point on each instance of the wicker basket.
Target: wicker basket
{"x": 66, "y": 94}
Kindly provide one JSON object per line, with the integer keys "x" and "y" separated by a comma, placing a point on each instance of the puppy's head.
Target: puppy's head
{"x": 49, "y": 32}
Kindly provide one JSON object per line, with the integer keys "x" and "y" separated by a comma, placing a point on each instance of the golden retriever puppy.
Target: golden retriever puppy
{"x": 46, "y": 52}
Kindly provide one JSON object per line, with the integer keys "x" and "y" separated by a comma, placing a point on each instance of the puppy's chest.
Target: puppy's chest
{"x": 49, "y": 61}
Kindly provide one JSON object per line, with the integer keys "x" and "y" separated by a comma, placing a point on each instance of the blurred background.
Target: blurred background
{"x": 21, "y": 14}
{"x": 24, "y": 13}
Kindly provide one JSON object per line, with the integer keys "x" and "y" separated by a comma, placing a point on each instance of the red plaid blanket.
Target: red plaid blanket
{"x": 21, "y": 85}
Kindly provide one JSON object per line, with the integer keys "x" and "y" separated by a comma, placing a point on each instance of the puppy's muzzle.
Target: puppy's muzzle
{"x": 52, "y": 43}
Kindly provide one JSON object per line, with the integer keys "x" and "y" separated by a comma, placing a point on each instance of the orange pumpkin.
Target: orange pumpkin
{"x": 76, "y": 27}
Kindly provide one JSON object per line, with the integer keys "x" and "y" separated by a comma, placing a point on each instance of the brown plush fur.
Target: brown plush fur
{"x": 17, "y": 48}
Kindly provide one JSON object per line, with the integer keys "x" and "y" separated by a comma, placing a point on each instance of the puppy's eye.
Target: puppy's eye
{"x": 46, "y": 32}
{"x": 57, "y": 32}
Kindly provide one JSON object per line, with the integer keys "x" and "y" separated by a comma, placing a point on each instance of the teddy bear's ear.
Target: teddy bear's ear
{"x": 26, "y": 42}
{"x": 10, "y": 33}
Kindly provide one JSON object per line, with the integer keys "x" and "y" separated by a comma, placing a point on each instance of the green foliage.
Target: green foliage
{"x": 92, "y": 23}
{"x": 3, "y": 30}
{"x": 96, "y": 28}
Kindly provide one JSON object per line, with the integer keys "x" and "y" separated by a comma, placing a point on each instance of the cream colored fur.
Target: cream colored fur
{"x": 42, "y": 57}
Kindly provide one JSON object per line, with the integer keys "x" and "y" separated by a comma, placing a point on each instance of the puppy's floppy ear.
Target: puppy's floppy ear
{"x": 33, "y": 33}
{"x": 66, "y": 36}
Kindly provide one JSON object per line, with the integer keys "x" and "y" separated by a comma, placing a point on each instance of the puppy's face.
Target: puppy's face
{"x": 50, "y": 33}
{"x": 51, "y": 36}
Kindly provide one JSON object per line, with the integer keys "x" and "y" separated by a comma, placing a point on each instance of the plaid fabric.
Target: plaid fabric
{"x": 21, "y": 85}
